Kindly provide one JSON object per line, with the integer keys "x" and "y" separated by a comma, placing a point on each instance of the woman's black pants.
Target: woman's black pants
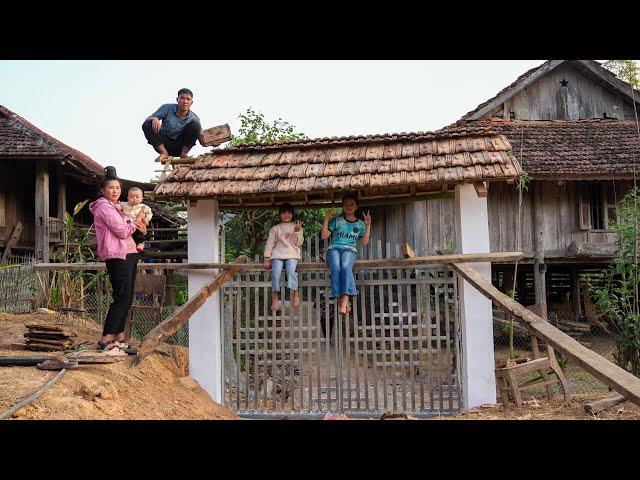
{"x": 122, "y": 274}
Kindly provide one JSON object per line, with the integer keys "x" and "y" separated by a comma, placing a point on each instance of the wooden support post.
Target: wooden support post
{"x": 575, "y": 292}
{"x": 472, "y": 235}
{"x": 539, "y": 267}
{"x": 42, "y": 211}
{"x": 61, "y": 185}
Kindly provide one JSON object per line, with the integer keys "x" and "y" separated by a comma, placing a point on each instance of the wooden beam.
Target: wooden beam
{"x": 481, "y": 189}
{"x": 214, "y": 136}
{"x": 13, "y": 239}
{"x": 601, "y": 368}
{"x": 360, "y": 264}
{"x": 181, "y": 316}
{"x": 603, "y": 403}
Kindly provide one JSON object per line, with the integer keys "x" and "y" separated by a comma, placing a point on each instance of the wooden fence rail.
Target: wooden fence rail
{"x": 361, "y": 264}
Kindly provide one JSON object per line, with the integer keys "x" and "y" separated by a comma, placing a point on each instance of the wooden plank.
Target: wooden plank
{"x": 497, "y": 257}
{"x": 598, "y": 366}
{"x": 181, "y": 316}
{"x": 407, "y": 251}
{"x": 214, "y": 136}
{"x": 13, "y": 240}
{"x": 602, "y": 404}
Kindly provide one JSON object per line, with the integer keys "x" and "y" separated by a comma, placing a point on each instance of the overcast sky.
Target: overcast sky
{"x": 98, "y": 107}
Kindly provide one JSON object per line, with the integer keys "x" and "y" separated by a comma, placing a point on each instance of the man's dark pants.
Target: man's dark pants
{"x": 187, "y": 137}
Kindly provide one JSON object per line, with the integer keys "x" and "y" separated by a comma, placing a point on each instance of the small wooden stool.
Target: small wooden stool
{"x": 543, "y": 365}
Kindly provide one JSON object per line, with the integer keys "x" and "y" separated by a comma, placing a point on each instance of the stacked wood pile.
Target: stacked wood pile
{"x": 48, "y": 338}
{"x": 569, "y": 324}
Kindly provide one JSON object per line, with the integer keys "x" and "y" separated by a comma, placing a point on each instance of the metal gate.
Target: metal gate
{"x": 397, "y": 350}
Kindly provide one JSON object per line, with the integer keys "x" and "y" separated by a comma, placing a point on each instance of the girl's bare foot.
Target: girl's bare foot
{"x": 344, "y": 307}
{"x": 296, "y": 299}
{"x": 275, "y": 302}
{"x": 161, "y": 157}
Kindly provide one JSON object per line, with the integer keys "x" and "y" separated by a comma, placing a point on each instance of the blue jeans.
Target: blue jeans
{"x": 290, "y": 265}
{"x": 341, "y": 264}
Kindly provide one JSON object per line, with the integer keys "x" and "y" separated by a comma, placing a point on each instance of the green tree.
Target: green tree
{"x": 246, "y": 232}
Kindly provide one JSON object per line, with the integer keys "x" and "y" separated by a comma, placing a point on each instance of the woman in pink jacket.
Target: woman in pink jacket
{"x": 117, "y": 248}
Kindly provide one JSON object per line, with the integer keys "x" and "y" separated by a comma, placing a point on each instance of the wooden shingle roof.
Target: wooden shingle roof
{"x": 375, "y": 166}
{"x": 588, "y": 149}
{"x": 19, "y": 138}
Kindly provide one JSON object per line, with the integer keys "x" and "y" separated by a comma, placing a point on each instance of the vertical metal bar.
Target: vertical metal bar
{"x": 283, "y": 344}
{"x": 233, "y": 297}
{"x": 374, "y": 342}
{"x": 347, "y": 341}
{"x": 392, "y": 333}
{"x": 329, "y": 330}
{"x": 318, "y": 313}
{"x": 383, "y": 332}
{"x": 401, "y": 330}
{"x": 412, "y": 379}
{"x": 292, "y": 349}
{"x": 438, "y": 341}
{"x": 274, "y": 356}
{"x": 447, "y": 336}
{"x": 358, "y": 321}
{"x": 309, "y": 341}
{"x": 247, "y": 347}
{"x": 256, "y": 335}
{"x": 457, "y": 341}
{"x": 338, "y": 359}
{"x": 419, "y": 320}
{"x": 429, "y": 342}
{"x": 265, "y": 339}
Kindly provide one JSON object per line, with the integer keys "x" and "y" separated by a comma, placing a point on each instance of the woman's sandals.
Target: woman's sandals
{"x": 116, "y": 348}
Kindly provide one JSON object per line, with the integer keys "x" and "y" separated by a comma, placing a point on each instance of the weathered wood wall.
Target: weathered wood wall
{"x": 426, "y": 225}
{"x": 582, "y": 98}
{"x": 430, "y": 225}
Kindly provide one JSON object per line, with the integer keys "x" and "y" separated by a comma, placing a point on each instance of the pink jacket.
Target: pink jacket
{"x": 112, "y": 230}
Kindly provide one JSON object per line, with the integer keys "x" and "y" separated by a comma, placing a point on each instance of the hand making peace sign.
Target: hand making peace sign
{"x": 367, "y": 218}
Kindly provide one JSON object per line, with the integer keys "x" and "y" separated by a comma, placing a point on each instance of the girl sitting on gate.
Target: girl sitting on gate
{"x": 344, "y": 231}
{"x": 283, "y": 249}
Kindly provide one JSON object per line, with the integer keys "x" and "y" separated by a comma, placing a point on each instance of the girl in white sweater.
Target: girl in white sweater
{"x": 283, "y": 249}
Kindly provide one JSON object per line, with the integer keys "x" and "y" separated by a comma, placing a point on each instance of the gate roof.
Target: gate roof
{"x": 376, "y": 167}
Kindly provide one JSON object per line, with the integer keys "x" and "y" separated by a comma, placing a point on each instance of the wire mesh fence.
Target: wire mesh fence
{"x": 16, "y": 284}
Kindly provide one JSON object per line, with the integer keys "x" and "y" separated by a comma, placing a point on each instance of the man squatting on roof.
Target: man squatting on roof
{"x": 173, "y": 129}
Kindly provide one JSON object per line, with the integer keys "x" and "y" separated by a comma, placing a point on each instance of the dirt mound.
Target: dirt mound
{"x": 156, "y": 389}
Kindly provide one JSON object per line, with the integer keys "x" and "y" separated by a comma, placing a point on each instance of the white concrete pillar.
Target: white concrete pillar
{"x": 472, "y": 236}
{"x": 205, "y": 327}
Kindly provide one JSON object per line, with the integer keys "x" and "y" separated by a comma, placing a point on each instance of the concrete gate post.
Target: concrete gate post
{"x": 205, "y": 326}
{"x": 472, "y": 236}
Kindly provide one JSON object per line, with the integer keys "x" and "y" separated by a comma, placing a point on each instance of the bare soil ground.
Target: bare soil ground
{"x": 158, "y": 388}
